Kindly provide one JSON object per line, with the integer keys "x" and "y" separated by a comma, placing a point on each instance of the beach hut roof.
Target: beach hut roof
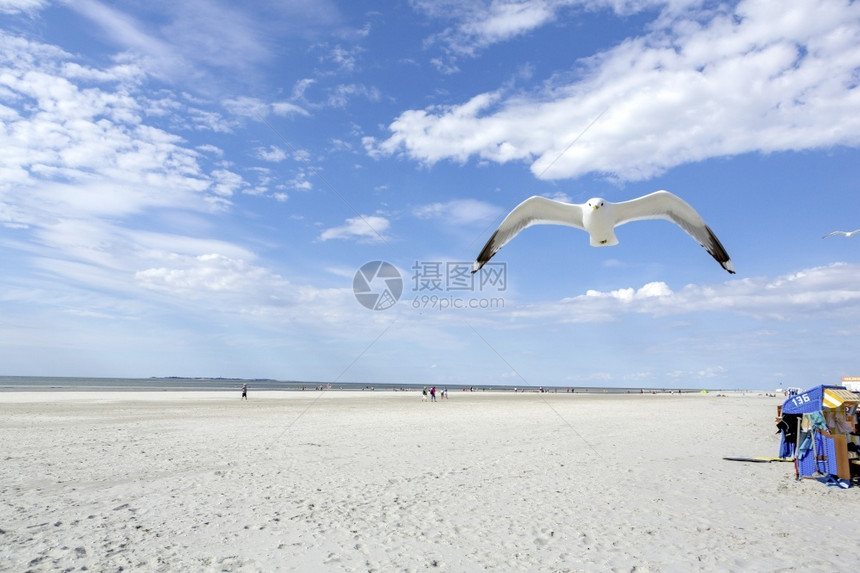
{"x": 819, "y": 397}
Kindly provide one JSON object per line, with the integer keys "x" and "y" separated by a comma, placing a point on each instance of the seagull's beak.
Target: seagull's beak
{"x": 595, "y": 207}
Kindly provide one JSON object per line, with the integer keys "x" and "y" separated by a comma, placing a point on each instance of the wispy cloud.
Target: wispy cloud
{"x": 366, "y": 228}
{"x": 18, "y": 6}
{"x": 477, "y": 24}
{"x": 95, "y": 154}
{"x": 342, "y": 94}
{"x": 246, "y": 106}
{"x": 272, "y": 153}
{"x": 344, "y": 58}
{"x": 155, "y": 53}
{"x": 83, "y": 167}
{"x": 284, "y": 108}
{"x": 459, "y": 211}
{"x": 210, "y": 272}
{"x": 188, "y": 40}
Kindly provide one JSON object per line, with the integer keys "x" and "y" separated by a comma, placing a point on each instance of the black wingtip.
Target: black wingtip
{"x": 716, "y": 249}
{"x": 486, "y": 253}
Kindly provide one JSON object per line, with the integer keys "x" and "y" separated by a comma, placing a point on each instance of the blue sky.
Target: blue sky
{"x": 189, "y": 188}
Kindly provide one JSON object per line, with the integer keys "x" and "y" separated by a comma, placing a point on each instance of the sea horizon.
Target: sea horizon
{"x": 183, "y": 383}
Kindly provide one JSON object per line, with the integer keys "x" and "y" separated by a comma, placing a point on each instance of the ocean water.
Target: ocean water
{"x": 37, "y": 383}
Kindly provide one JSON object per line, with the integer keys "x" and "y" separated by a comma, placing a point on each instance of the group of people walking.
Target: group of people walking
{"x": 432, "y": 392}
{"x": 443, "y": 394}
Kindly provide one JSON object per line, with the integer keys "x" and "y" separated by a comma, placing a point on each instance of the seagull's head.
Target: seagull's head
{"x": 595, "y": 203}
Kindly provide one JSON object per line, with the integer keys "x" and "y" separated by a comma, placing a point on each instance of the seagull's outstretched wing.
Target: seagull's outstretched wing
{"x": 665, "y": 205}
{"x": 846, "y": 233}
{"x": 533, "y": 211}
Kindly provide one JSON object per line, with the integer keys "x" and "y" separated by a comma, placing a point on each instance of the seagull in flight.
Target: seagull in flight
{"x": 846, "y": 233}
{"x": 599, "y": 218}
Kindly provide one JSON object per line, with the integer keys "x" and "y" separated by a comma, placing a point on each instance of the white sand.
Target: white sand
{"x": 373, "y": 481}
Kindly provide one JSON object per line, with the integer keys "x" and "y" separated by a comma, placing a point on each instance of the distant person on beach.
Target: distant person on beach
{"x": 445, "y": 393}
{"x": 244, "y": 391}
{"x": 424, "y": 394}
{"x": 433, "y": 393}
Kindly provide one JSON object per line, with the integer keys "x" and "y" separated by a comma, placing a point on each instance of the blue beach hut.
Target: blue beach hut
{"x": 817, "y": 426}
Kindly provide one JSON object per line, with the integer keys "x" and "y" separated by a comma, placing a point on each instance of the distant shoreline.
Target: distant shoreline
{"x": 181, "y": 383}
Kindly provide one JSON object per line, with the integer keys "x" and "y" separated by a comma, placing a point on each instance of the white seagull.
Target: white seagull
{"x": 846, "y": 233}
{"x": 599, "y": 218}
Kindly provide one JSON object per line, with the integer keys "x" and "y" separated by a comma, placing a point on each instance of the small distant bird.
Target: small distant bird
{"x": 846, "y": 233}
{"x": 599, "y": 218}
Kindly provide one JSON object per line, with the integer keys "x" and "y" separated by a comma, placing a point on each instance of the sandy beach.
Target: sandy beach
{"x": 381, "y": 481}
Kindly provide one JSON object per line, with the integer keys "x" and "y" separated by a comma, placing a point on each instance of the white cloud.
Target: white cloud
{"x": 364, "y": 228}
{"x": 226, "y": 183}
{"x": 818, "y": 292}
{"x": 559, "y": 196}
{"x": 301, "y": 87}
{"x": 343, "y": 57}
{"x": 198, "y": 275}
{"x": 208, "y": 272}
{"x": 78, "y": 146}
{"x": 284, "y": 108}
{"x": 273, "y": 153}
{"x": 478, "y": 24}
{"x": 769, "y": 76}
{"x": 105, "y": 257}
{"x": 459, "y": 211}
{"x": 497, "y": 22}
{"x": 301, "y": 181}
{"x": 628, "y": 295}
{"x": 246, "y": 106}
{"x": 505, "y": 20}
{"x": 255, "y": 108}
{"x": 83, "y": 169}
{"x": 213, "y": 149}
{"x": 209, "y": 120}
{"x": 340, "y": 95}
{"x": 711, "y": 372}
{"x": 234, "y": 285}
